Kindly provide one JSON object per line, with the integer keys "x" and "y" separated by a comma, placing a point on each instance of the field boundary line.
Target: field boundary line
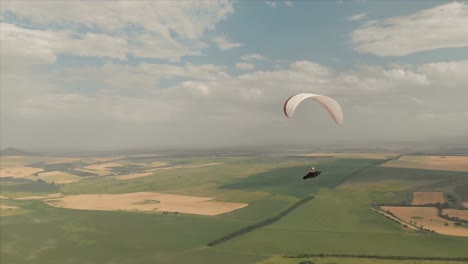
{"x": 376, "y": 257}
{"x": 260, "y": 224}
{"x": 380, "y": 162}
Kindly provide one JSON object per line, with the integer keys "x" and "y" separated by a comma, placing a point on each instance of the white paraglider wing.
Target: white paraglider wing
{"x": 328, "y": 103}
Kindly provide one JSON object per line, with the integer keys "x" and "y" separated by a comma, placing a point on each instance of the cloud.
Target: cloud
{"x": 245, "y": 66}
{"x": 162, "y": 30}
{"x": 288, "y": 3}
{"x": 225, "y": 44}
{"x": 252, "y": 56}
{"x": 444, "y": 26}
{"x": 271, "y": 3}
{"x": 357, "y": 17}
{"x": 218, "y": 108}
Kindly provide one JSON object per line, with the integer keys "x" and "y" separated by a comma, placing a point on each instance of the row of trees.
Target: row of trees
{"x": 260, "y": 224}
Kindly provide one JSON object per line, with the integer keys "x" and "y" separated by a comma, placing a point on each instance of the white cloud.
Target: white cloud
{"x": 225, "y": 44}
{"x": 158, "y": 103}
{"x": 197, "y": 86}
{"x": 444, "y": 26}
{"x": 27, "y": 46}
{"x": 271, "y": 3}
{"x": 245, "y": 66}
{"x": 163, "y": 30}
{"x": 288, "y": 3}
{"x": 252, "y": 56}
{"x": 218, "y": 108}
{"x": 358, "y": 17}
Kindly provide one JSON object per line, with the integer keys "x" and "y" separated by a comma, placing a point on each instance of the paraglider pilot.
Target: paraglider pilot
{"x": 312, "y": 173}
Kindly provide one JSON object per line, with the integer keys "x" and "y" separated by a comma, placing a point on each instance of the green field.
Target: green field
{"x": 337, "y": 221}
{"x": 344, "y": 260}
{"x": 341, "y": 222}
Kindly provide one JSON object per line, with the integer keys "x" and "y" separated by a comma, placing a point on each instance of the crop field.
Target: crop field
{"x": 145, "y": 202}
{"x": 18, "y": 171}
{"x": 351, "y": 260}
{"x": 381, "y": 156}
{"x": 347, "y": 260}
{"x": 461, "y": 214}
{"x": 427, "y": 218}
{"x": 449, "y": 163}
{"x": 421, "y": 198}
{"x": 58, "y": 177}
{"x": 341, "y": 222}
{"x": 11, "y": 161}
{"x": 119, "y": 214}
{"x": 102, "y": 166}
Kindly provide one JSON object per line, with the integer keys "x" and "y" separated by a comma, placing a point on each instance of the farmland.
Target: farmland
{"x": 462, "y": 214}
{"x": 145, "y": 202}
{"x": 132, "y": 207}
{"x": 450, "y": 163}
{"x": 420, "y": 198}
{"x": 427, "y": 218}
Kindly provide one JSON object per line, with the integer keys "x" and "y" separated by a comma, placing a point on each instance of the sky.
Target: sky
{"x": 115, "y": 75}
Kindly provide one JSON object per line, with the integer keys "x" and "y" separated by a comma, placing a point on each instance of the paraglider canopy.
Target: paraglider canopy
{"x": 328, "y": 103}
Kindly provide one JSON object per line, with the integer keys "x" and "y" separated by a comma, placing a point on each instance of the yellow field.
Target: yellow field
{"x": 158, "y": 164}
{"x": 101, "y": 172}
{"x": 145, "y": 202}
{"x": 18, "y": 171}
{"x": 428, "y": 218}
{"x": 353, "y": 155}
{"x": 151, "y": 171}
{"x": 190, "y": 166}
{"x": 420, "y": 198}
{"x": 102, "y": 166}
{"x": 101, "y": 159}
{"x": 462, "y": 214}
{"x": 7, "y": 210}
{"x": 449, "y": 163}
{"x": 62, "y": 160}
{"x": 56, "y": 177}
{"x": 133, "y": 176}
{"x": 40, "y": 197}
{"x": 10, "y": 210}
{"x": 6, "y": 207}
{"x": 103, "y": 169}
{"x": 396, "y": 219}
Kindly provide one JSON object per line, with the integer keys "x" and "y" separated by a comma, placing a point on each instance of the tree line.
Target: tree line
{"x": 260, "y": 224}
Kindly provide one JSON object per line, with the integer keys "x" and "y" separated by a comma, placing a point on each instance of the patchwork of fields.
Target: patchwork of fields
{"x": 427, "y": 218}
{"x": 80, "y": 210}
{"x": 449, "y": 163}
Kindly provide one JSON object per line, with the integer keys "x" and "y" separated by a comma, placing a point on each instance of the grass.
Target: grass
{"x": 332, "y": 260}
{"x": 289, "y": 181}
{"x": 337, "y": 221}
{"x": 181, "y": 179}
{"x": 341, "y": 222}
{"x": 403, "y": 174}
{"x": 55, "y": 235}
{"x": 28, "y": 186}
{"x": 55, "y": 177}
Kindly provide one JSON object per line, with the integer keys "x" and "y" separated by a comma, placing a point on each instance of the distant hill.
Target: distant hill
{"x": 16, "y": 152}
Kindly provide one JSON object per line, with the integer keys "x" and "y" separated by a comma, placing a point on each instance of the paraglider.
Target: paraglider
{"x": 312, "y": 173}
{"x": 328, "y": 103}
{"x": 332, "y": 106}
